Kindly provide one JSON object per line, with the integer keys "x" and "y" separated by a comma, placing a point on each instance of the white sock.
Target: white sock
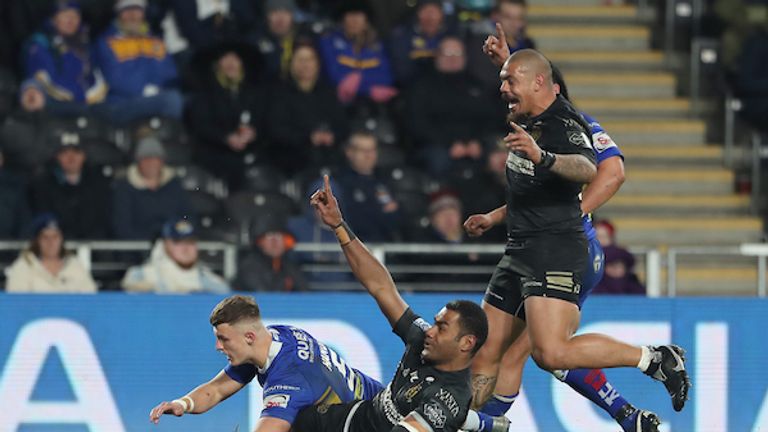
{"x": 645, "y": 358}
{"x": 472, "y": 423}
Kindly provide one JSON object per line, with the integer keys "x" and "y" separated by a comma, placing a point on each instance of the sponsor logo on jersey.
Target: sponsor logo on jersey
{"x": 276, "y": 401}
{"x": 520, "y": 164}
{"x": 281, "y": 387}
{"x": 450, "y": 402}
{"x": 412, "y": 392}
{"x": 422, "y": 324}
{"x": 578, "y": 138}
{"x": 435, "y": 414}
{"x": 602, "y": 141}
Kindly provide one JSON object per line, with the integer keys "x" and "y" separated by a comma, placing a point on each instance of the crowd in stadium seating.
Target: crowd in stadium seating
{"x": 179, "y": 120}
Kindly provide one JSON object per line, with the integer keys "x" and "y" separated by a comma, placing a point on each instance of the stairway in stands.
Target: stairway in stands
{"x": 677, "y": 191}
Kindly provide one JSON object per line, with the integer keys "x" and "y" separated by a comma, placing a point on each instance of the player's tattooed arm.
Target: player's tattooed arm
{"x": 574, "y": 167}
{"x": 482, "y": 389}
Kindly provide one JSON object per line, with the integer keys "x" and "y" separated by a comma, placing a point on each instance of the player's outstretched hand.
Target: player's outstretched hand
{"x": 521, "y": 141}
{"x": 477, "y": 224}
{"x": 496, "y": 47}
{"x": 174, "y": 408}
{"x": 325, "y": 204}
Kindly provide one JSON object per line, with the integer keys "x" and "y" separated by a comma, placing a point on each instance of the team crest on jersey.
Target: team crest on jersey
{"x": 578, "y": 138}
{"x": 435, "y": 415}
{"x": 412, "y": 392}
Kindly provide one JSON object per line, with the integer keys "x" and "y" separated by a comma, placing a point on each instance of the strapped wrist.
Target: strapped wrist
{"x": 547, "y": 159}
{"x": 344, "y": 234}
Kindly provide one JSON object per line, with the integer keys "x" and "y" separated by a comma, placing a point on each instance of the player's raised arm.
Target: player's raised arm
{"x": 367, "y": 269}
{"x": 199, "y": 400}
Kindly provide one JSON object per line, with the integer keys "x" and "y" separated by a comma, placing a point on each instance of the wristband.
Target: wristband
{"x": 186, "y": 402}
{"x": 547, "y": 159}
{"x": 344, "y": 234}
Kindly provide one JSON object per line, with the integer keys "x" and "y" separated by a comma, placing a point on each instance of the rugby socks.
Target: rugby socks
{"x": 593, "y": 385}
{"x": 646, "y": 358}
{"x": 484, "y": 422}
{"x": 498, "y": 405}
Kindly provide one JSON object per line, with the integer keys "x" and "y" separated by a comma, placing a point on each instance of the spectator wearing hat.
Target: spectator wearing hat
{"x": 59, "y": 58}
{"x": 13, "y": 203}
{"x": 619, "y": 277}
{"x": 266, "y": 267}
{"x": 26, "y": 132}
{"x": 307, "y": 123}
{"x": 445, "y": 219}
{"x": 45, "y": 266}
{"x": 354, "y": 58}
{"x": 149, "y": 195}
{"x": 413, "y": 45}
{"x": 279, "y": 40}
{"x": 79, "y": 197}
{"x": 138, "y": 69}
{"x": 173, "y": 266}
{"x": 227, "y": 119}
{"x": 369, "y": 206}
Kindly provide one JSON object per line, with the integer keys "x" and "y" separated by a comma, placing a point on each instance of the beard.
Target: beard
{"x": 517, "y": 117}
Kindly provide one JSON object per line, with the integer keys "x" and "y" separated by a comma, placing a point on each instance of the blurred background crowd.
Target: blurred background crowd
{"x": 184, "y": 120}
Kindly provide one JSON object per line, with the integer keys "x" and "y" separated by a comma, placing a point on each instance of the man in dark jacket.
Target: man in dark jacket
{"x": 227, "y": 119}
{"x": 150, "y": 195}
{"x": 26, "y": 132}
{"x": 13, "y": 204}
{"x": 79, "y": 197}
{"x": 369, "y": 205}
{"x": 266, "y": 267}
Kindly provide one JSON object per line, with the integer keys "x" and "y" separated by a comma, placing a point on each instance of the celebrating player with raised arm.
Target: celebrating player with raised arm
{"x": 430, "y": 390}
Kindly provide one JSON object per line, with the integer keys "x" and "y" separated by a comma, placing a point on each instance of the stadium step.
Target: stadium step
{"x": 681, "y": 181}
{"x": 656, "y": 131}
{"x": 701, "y": 230}
{"x": 606, "y": 60}
{"x": 675, "y": 205}
{"x": 590, "y": 37}
{"x": 604, "y": 108}
{"x": 712, "y": 280}
{"x": 671, "y": 156}
{"x": 616, "y": 85}
{"x": 588, "y": 14}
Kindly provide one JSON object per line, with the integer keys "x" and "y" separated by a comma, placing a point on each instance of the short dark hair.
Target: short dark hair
{"x": 472, "y": 320}
{"x": 557, "y": 78}
{"x": 498, "y": 3}
{"x": 363, "y": 133}
{"x": 233, "y": 309}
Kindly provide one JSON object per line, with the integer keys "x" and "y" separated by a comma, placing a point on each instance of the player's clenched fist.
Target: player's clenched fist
{"x": 477, "y": 224}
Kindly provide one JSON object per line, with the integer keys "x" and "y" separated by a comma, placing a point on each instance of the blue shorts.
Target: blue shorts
{"x": 594, "y": 271}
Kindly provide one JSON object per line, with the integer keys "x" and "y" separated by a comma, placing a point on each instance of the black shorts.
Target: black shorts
{"x": 548, "y": 266}
{"x": 333, "y": 418}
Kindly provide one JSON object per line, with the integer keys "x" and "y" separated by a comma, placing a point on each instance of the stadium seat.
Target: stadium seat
{"x": 196, "y": 179}
{"x": 412, "y": 180}
{"x": 263, "y": 178}
{"x": 246, "y": 207}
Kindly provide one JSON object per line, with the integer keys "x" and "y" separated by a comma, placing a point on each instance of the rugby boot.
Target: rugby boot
{"x": 500, "y": 424}
{"x": 632, "y": 419}
{"x": 668, "y": 366}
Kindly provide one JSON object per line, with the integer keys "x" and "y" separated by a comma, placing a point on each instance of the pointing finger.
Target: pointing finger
{"x": 500, "y": 32}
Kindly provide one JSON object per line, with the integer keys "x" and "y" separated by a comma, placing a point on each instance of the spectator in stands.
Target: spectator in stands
{"x": 227, "y": 118}
{"x": 512, "y": 16}
{"x": 25, "y": 133}
{"x": 355, "y": 59}
{"x": 13, "y": 203}
{"x": 450, "y": 125}
{"x": 445, "y": 220}
{"x": 266, "y": 266}
{"x": 77, "y": 196}
{"x": 414, "y": 45}
{"x": 173, "y": 266}
{"x": 369, "y": 206}
{"x": 278, "y": 42}
{"x": 205, "y": 23}
{"x": 306, "y": 121}
{"x": 139, "y": 71}
{"x": 307, "y": 228}
{"x": 60, "y": 59}
{"x": 149, "y": 195}
{"x": 619, "y": 277}
{"x": 45, "y": 266}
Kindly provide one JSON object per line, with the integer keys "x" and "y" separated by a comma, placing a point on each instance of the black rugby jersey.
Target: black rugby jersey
{"x": 538, "y": 200}
{"x": 438, "y": 400}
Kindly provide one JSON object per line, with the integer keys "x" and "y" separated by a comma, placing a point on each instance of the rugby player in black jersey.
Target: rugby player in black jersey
{"x": 536, "y": 285}
{"x": 431, "y": 387}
